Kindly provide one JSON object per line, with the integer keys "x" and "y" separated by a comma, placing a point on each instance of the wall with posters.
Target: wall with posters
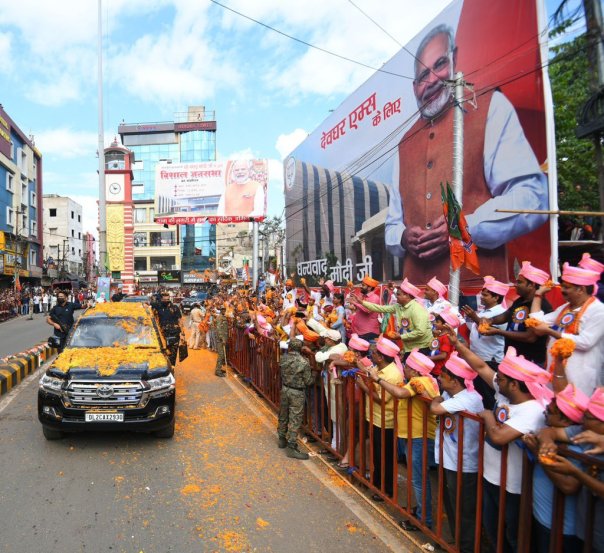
{"x": 367, "y": 180}
{"x": 214, "y": 191}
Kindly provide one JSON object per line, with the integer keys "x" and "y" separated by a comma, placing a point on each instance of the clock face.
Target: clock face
{"x": 115, "y": 188}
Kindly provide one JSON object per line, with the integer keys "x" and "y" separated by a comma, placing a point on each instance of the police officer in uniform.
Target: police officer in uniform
{"x": 221, "y": 331}
{"x": 170, "y": 322}
{"x": 61, "y": 317}
{"x": 296, "y": 375}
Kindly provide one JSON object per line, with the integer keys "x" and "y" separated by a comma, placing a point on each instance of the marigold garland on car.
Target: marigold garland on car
{"x": 108, "y": 360}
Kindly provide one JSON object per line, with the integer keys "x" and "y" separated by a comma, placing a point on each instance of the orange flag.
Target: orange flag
{"x": 461, "y": 246}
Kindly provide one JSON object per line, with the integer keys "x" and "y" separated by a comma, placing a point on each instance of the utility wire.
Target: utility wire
{"x": 309, "y": 44}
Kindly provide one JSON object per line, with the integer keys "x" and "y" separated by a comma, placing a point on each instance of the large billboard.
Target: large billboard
{"x": 367, "y": 180}
{"x": 212, "y": 191}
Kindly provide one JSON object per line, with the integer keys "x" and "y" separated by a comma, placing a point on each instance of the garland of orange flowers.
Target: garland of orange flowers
{"x": 573, "y": 328}
{"x": 350, "y": 357}
{"x": 531, "y": 322}
{"x": 562, "y": 348}
{"x": 483, "y": 327}
{"x": 108, "y": 360}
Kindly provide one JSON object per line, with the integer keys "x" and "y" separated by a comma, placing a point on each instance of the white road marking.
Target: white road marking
{"x": 367, "y": 515}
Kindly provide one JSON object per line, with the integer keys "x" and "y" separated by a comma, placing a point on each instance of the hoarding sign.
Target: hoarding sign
{"x": 367, "y": 180}
{"x": 168, "y": 276}
{"x": 195, "y": 126}
{"x": 193, "y": 277}
{"x": 213, "y": 191}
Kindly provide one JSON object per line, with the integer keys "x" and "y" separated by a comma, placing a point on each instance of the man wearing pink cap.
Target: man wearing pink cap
{"x": 456, "y": 380}
{"x": 386, "y": 371}
{"x": 520, "y": 393}
{"x": 592, "y": 431}
{"x": 489, "y": 347}
{"x": 411, "y": 318}
{"x": 588, "y": 262}
{"x": 418, "y": 368}
{"x": 581, "y": 320}
{"x": 516, "y": 334}
{"x": 565, "y": 411}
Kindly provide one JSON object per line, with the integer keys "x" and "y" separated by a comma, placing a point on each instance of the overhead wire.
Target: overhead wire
{"x": 485, "y": 89}
{"x": 310, "y": 45}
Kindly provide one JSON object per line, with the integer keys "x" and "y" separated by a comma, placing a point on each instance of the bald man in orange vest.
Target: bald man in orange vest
{"x": 500, "y": 170}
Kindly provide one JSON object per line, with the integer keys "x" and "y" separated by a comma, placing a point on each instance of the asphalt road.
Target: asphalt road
{"x": 22, "y": 333}
{"x": 220, "y": 485}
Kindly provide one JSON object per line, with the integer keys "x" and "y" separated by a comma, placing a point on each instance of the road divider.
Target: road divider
{"x": 14, "y": 368}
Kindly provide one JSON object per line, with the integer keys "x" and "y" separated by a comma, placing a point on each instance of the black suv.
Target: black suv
{"x": 112, "y": 375}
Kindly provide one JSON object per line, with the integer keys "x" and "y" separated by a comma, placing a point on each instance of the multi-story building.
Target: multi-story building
{"x": 21, "y": 239}
{"x": 191, "y": 137}
{"x": 89, "y": 257}
{"x": 63, "y": 236}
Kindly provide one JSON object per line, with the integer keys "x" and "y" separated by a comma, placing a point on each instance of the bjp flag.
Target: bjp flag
{"x": 461, "y": 246}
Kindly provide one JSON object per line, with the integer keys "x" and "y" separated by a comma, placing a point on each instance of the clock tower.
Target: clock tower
{"x": 119, "y": 217}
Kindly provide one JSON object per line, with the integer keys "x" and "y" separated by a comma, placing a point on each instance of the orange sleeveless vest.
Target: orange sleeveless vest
{"x": 239, "y": 200}
{"x": 426, "y": 160}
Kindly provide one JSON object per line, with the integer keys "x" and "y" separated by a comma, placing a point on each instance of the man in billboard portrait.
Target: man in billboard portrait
{"x": 244, "y": 194}
{"x": 500, "y": 171}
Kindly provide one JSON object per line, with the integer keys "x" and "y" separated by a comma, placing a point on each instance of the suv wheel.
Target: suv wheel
{"x": 167, "y": 432}
{"x": 50, "y": 434}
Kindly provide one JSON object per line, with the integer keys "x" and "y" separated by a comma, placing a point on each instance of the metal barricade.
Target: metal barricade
{"x": 364, "y": 428}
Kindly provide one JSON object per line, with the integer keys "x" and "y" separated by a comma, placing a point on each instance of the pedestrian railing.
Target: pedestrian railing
{"x": 409, "y": 475}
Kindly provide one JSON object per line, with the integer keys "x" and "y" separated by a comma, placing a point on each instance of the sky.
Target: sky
{"x": 160, "y": 56}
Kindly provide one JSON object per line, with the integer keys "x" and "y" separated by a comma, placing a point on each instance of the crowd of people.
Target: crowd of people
{"x": 533, "y": 375}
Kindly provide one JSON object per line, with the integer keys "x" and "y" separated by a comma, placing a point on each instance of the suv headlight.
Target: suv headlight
{"x": 51, "y": 384}
{"x": 162, "y": 383}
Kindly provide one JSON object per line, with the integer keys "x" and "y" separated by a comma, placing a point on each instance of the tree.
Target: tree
{"x": 577, "y": 172}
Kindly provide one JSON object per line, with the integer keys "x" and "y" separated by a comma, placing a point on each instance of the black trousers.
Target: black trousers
{"x": 469, "y": 483}
{"x": 389, "y": 457}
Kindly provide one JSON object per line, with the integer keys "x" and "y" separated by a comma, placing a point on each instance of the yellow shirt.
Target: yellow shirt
{"x": 418, "y": 407}
{"x": 390, "y": 373}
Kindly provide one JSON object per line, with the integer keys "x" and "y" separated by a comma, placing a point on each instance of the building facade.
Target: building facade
{"x": 64, "y": 240}
{"x": 21, "y": 238}
{"x": 90, "y": 257}
{"x": 158, "y": 250}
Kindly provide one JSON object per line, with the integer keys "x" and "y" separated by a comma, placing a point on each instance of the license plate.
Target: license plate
{"x": 104, "y": 417}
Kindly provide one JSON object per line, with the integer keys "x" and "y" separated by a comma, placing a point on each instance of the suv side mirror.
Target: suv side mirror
{"x": 54, "y": 342}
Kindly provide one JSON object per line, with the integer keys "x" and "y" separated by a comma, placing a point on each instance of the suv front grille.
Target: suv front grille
{"x": 104, "y": 394}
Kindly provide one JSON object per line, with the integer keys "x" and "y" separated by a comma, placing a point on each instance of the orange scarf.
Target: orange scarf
{"x": 572, "y": 326}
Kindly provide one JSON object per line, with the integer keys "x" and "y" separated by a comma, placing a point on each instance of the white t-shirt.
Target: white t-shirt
{"x": 462, "y": 401}
{"x": 525, "y": 418}
{"x": 584, "y": 366}
{"x": 488, "y": 347}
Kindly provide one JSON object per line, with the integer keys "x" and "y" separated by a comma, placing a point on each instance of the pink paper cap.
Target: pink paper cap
{"x": 329, "y": 285}
{"x": 572, "y": 402}
{"x": 596, "y": 404}
{"x": 420, "y": 362}
{"x": 579, "y": 276}
{"x": 358, "y": 343}
{"x": 492, "y": 285}
{"x": 459, "y": 367}
{"x": 387, "y": 347}
{"x": 533, "y": 274}
{"x": 449, "y": 317}
{"x": 410, "y": 289}
{"x": 587, "y": 262}
{"x": 438, "y": 287}
{"x": 535, "y": 378}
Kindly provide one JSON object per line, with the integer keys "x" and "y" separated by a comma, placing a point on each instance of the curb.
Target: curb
{"x": 14, "y": 368}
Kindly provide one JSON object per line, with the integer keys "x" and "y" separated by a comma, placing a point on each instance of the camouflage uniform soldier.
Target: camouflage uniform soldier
{"x": 221, "y": 329}
{"x": 296, "y": 375}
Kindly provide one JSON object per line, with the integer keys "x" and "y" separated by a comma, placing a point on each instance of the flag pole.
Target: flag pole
{"x": 457, "y": 182}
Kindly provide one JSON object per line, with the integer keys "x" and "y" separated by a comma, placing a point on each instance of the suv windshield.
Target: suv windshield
{"x": 93, "y": 332}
